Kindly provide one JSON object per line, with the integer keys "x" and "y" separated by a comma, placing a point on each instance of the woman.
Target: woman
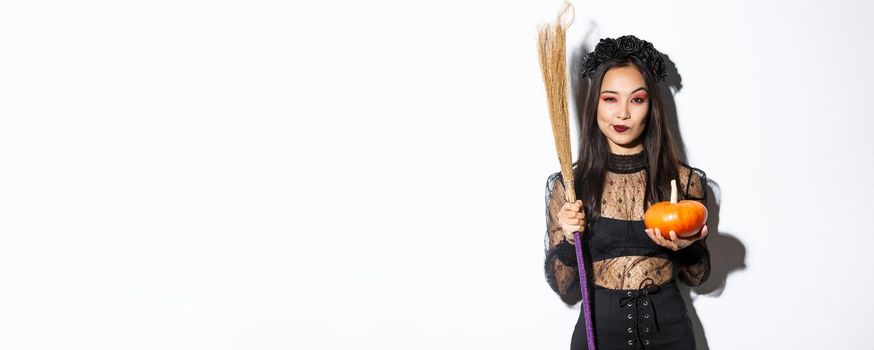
{"x": 626, "y": 162}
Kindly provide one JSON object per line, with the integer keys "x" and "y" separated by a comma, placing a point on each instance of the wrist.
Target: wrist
{"x": 566, "y": 253}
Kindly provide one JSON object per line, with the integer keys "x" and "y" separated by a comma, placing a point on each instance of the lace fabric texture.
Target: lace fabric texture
{"x": 623, "y": 201}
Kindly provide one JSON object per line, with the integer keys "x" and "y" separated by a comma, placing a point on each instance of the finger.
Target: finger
{"x": 570, "y": 207}
{"x": 677, "y": 242}
{"x": 652, "y": 234}
{"x": 704, "y": 231}
{"x": 674, "y": 245}
{"x": 672, "y": 240}
{"x": 663, "y": 241}
{"x": 658, "y": 234}
{"x": 655, "y": 236}
{"x": 571, "y": 228}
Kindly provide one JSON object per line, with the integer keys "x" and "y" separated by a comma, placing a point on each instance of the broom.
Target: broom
{"x": 551, "y": 51}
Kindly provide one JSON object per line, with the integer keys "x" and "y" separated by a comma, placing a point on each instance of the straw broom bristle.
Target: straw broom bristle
{"x": 551, "y": 51}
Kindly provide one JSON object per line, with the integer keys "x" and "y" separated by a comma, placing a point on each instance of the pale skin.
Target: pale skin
{"x": 623, "y": 101}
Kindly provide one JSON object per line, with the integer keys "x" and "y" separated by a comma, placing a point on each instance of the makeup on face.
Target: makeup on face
{"x": 623, "y": 105}
{"x": 639, "y": 95}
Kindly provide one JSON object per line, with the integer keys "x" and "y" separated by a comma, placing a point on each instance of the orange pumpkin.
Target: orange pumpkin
{"x": 685, "y": 217}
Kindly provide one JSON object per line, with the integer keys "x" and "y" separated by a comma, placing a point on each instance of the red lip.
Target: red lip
{"x": 620, "y": 128}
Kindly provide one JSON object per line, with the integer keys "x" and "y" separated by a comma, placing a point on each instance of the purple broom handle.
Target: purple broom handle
{"x": 584, "y": 288}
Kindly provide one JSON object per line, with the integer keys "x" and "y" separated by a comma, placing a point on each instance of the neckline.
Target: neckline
{"x": 626, "y": 163}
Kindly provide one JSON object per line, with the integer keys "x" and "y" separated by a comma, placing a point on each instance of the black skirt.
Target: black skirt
{"x": 652, "y": 317}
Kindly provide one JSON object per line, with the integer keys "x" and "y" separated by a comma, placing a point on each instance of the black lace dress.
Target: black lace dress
{"x": 634, "y": 296}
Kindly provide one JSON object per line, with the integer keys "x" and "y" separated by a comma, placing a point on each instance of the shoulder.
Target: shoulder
{"x": 686, "y": 171}
{"x": 692, "y": 181}
{"x": 557, "y": 177}
{"x": 552, "y": 180}
{"x": 554, "y": 176}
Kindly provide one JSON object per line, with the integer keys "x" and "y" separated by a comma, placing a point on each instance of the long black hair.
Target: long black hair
{"x": 658, "y": 144}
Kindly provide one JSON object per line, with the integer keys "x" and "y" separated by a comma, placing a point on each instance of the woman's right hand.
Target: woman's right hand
{"x": 572, "y": 219}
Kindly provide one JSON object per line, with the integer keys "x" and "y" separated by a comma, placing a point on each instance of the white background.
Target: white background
{"x": 362, "y": 174}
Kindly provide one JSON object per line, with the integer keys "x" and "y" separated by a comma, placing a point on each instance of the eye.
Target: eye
{"x": 638, "y": 100}
{"x": 609, "y": 99}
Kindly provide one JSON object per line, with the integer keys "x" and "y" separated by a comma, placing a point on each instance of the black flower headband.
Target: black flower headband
{"x": 626, "y": 45}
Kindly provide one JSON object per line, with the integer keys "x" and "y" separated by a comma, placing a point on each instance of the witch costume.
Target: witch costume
{"x": 634, "y": 296}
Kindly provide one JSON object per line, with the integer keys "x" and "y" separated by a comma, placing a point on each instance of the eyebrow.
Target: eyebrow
{"x": 614, "y": 92}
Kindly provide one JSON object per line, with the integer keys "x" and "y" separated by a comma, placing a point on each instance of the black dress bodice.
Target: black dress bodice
{"x": 621, "y": 252}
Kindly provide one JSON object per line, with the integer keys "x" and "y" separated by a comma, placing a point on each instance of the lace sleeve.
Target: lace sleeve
{"x": 561, "y": 261}
{"x": 693, "y": 262}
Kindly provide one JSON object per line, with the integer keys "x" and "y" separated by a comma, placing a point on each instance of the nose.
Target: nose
{"x": 623, "y": 113}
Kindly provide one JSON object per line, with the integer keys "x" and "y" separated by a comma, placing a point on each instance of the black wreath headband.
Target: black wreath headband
{"x": 626, "y": 45}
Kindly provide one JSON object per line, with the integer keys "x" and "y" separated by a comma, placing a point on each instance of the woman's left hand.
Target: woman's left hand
{"x": 675, "y": 243}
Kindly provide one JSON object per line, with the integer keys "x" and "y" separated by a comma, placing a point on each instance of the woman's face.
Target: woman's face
{"x": 623, "y": 105}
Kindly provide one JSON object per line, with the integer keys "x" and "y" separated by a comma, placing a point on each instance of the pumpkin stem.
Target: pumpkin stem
{"x": 673, "y": 191}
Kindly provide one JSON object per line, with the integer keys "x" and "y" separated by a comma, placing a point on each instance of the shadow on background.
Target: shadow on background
{"x": 727, "y": 253}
